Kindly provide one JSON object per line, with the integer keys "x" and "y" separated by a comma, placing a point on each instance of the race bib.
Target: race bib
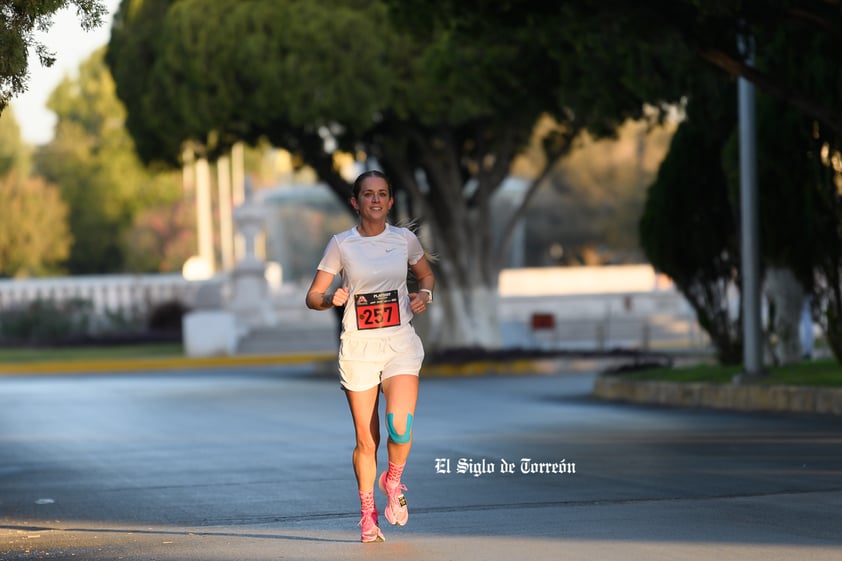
{"x": 377, "y": 309}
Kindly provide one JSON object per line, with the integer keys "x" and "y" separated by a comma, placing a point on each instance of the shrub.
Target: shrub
{"x": 44, "y": 321}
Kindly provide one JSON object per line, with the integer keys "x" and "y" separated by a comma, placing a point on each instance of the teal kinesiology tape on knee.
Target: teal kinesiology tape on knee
{"x": 394, "y": 436}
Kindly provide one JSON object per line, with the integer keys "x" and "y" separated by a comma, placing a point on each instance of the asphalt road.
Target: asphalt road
{"x": 255, "y": 464}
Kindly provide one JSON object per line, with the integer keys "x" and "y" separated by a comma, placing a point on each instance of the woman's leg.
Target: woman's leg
{"x": 364, "y": 411}
{"x": 401, "y": 393}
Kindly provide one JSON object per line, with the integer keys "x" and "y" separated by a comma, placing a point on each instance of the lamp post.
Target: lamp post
{"x": 750, "y": 230}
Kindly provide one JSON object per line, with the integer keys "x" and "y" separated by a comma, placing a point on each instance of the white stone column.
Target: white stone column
{"x": 238, "y": 192}
{"x": 226, "y": 227}
{"x": 188, "y": 173}
{"x": 204, "y": 214}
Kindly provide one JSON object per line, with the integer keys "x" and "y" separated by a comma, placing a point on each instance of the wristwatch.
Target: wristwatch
{"x": 429, "y": 293}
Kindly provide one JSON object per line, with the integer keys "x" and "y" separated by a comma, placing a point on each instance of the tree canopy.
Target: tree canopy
{"x": 216, "y": 72}
{"x": 444, "y": 95}
{"x": 602, "y": 30}
{"x": 443, "y": 115}
{"x": 17, "y": 36}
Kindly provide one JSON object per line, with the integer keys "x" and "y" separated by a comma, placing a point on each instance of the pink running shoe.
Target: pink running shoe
{"x": 371, "y": 531}
{"x": 396, "y": 511}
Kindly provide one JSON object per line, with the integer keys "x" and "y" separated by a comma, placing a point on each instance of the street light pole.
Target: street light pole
{"x": 750, "y": 230}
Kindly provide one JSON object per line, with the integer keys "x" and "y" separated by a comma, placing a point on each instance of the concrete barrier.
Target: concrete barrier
{"x": 209, "y": 333}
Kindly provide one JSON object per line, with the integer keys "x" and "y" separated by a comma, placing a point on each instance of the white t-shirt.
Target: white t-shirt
{"x": 374, "y": 271}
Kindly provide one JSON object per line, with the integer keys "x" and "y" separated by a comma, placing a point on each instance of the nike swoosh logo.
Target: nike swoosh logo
{"x": 390, "y": 249}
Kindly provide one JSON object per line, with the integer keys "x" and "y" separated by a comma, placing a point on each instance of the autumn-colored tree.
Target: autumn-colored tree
{"x": 161, "y": 238}
{"x": 34, "y": 237}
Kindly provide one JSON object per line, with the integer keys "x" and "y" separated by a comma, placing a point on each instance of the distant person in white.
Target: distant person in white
{"x": 806, "y": 330}
{"x": 379, "y": 350}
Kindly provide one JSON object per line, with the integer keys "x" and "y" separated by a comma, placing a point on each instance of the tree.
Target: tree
{"x": 798, "y": 200}
{"x": 14, "y": 153}
{"x": 796, "y": 58}
{"x": 20, "y": 21}
{"x": 442, "y": 115}
{"x": 799, "y": 196}
{"x": 803, "y": 211}
{"x": 34, "y": 237}
{"x": 688, "y": 229}
{"x": 161, "y": 238}
{"x": 92, "y": 159}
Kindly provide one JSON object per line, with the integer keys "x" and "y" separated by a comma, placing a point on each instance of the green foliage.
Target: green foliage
{"x": 438, "y": 111}
{"x": 595, "y": 63}
{"x": 34, "y": 236}
{"x": 215, "y": 72}
{"x": 14, "y": 154}
{"x": 811, "y": 216}
{"x": 135, "y": 39}
{"x": 105, "y": 186}
{"x": 788, "y": 205}
{"x": 211, "y": 73}
{"x": 313, "y": 76}
{"x": 640, "y": 49}
{"x": 688, "y": 228}
{"x": 797, "y": 199}
{"x": 20, "y": 21}
{"x": 444, "y": 94}
{"x": 45, "y": 321}
{"x": 688, "y": 221}
{"x": 799, "y": 189}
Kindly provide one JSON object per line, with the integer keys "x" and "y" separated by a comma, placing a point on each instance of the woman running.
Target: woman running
{"x": 379, "y": 350}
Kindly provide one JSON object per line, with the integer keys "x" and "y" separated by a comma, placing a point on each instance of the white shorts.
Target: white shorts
{"x": 364, "y": 362}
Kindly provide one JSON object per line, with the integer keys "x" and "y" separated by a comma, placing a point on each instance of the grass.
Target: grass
{"x": 823, "y": 372}
{"x": 64, "y": 354}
